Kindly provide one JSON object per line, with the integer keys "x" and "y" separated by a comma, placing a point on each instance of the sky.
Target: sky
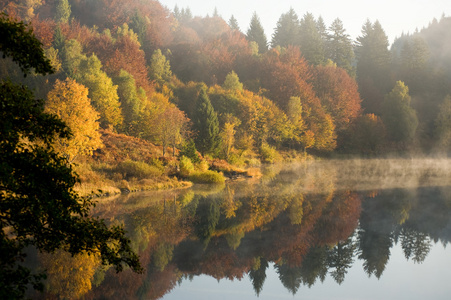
{"x": 395, "y": 16}
{"x": 401, "y": 279}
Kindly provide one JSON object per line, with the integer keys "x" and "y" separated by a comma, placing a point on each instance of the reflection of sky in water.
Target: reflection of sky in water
{"x": 401, "y": 279}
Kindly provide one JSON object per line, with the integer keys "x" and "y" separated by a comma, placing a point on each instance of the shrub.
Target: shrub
{"x": 186, "y": 166}
{"x": 208, "y": 176}
{"x": 156, "y": 163}
{"x": 237, "y": 160}
{"x": 269, "y": 154}
{"x": 203, "y": 166}
{"x": 138, "y": 169}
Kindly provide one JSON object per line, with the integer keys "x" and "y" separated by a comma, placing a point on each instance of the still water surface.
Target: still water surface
{"x": 367, "y": 229}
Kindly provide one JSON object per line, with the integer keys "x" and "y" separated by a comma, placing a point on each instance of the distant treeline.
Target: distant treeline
{"x": 170, "y": 77}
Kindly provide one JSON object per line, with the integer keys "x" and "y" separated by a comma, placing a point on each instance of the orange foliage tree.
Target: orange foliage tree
{"x": 285, "y": 75}
{"x": 338, "y": 93}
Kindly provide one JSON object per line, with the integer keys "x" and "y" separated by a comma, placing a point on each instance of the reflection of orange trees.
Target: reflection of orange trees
{"x": 223, "y": 235}
{"x": 339, "y": 218}
{"x": 224, "y": 263}
{"x": 69, "y": 277}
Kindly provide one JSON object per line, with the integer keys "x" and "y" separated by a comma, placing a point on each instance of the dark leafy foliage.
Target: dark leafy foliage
{"x": 38, "y": 205}
{"x": 15, "y": 43}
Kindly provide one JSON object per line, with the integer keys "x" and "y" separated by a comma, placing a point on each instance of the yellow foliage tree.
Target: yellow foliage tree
{"x": 69, "y": 277}
{"x": 69, "y": 100}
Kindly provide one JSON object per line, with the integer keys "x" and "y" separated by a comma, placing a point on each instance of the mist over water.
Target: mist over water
{"x": 370, "y": 174}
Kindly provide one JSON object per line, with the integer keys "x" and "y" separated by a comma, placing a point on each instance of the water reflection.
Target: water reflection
{"x": 310, "y": 221}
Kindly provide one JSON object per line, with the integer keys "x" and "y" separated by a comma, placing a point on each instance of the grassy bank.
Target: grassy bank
{"x": 128, "y": 164}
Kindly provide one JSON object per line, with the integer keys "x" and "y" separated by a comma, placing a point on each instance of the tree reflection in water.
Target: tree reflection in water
{"x": 304, "y": 220}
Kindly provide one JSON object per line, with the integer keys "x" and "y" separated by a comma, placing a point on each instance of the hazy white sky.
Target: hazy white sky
{"x": 396, "y": 16}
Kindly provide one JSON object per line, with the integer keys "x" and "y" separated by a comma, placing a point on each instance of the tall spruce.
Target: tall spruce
{"x": 233, "y": 23}
{"x": 206, "y": 125}
{"x": 286, "y": 32}
{"x": 373, "y": 62}
{"x": 398, "y": 115}
{"x": 443, "y": 125}
{"x": 63, "y": 11}
{"x": 322, "y": 28}
{"x": 312, "y": 45}
{"x": 339, "y": 47}
{"x": 256, "y": 33}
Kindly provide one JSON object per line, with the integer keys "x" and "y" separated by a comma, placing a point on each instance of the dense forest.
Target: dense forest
{"x": 181, "y": 82}
{"x": 153, "y": 96}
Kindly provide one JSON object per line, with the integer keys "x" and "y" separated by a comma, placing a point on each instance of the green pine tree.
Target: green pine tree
{"x": 63, "y": 11}
{"x": 58, "y": 39}
{"x": 398, "y": 116}
{"x": 373, "y": 62}
{"x": 339, "y": 47}
{"x": 256, "y": 33}
{"x": 232, "y": 82}
{"x": 312, "y": 45}
{"x": 287, "y": 30}
{"x": 206, "y": 124}
{"x": 233, "y": 23}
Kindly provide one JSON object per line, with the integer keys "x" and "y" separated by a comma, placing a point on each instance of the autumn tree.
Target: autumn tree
{"x": 171, "y": 128}
{"x": 324, "y": 129}
{"x": 69, "y": 101}
{"x": 294, "y": 114}
{"x": 287, "y": 75}
{"x": 121, "y": 51}
{"x": 44, "y": 30}
{"x": 206, "y": 125}
{"x": 232, "y": 82}
{"x": 338, "y": 93}
{"x": 256, "y": 33}
{"x": 284, "y": 74}
{"x": 71, "y": 56}
{"x": 21, "y": 9}
{"x": 399, "y": 117}
{"x": 160, "y": 68}
{"x": 131, "y": 99}
{"x": 69, "y": 276}
{"x": 102, "y": 91}
{"x": 227, "y": 136}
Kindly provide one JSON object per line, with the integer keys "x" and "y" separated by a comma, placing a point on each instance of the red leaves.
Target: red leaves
{"x": 338, "y": 93}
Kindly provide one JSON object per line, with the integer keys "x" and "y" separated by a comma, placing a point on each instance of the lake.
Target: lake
{"x": 332, "y": 229}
